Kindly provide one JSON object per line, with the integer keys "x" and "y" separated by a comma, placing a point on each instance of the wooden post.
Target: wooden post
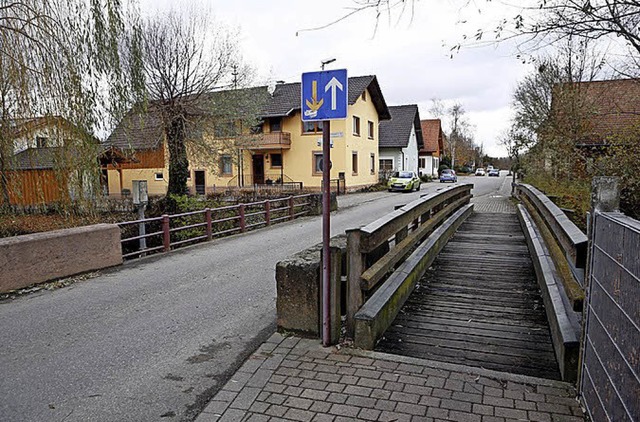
{"x": 355, "y": 268}
{"x": 267, "y": 212}
{"x": 166, "y": 234}
{"x": 291, "y": 210}
{"x": 243, "y": 223}
{"x": 208, "y": 218}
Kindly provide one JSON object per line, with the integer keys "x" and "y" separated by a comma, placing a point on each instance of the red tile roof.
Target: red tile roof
{"x": 608, "y": 109}
{"x": 432, "y": 135}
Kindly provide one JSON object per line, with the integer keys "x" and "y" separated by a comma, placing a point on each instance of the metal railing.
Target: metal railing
{"x": 170, "y": 231}
{"x": 271, "y": 181}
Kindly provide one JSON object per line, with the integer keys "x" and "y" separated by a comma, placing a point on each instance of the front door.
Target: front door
{"x": 258, "y": 169}
{"x": 200, "y": 183}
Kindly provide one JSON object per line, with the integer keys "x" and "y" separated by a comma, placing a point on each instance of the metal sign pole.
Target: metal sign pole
{"x": 326, "y": 231}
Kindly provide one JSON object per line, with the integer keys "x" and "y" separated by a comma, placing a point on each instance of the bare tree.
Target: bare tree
{"x": 459, "y": 126}
{"x": 186, "y": 56}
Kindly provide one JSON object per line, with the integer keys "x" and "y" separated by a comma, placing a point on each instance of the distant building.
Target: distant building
{"x": 430, "y": 154}
{"x": 51, "y": 160}
{"x": 400, "y": 140}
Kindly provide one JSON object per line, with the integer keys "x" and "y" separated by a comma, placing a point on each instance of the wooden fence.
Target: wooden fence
{"x": 170, "y": 231}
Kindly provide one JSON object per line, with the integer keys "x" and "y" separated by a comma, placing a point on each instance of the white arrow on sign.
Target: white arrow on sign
{"x": 333, "y": 85}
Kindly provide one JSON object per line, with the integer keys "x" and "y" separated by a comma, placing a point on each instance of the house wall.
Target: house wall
{"x": 55, "y": 138}
{"x": 410, "y": 153}
{"x": 394, "y": 154}
{"x": 432, "y": 163}
{"x": 362, "y": 144}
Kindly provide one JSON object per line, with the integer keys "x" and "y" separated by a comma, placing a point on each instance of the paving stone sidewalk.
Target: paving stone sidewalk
{"x": 289, "y": 378}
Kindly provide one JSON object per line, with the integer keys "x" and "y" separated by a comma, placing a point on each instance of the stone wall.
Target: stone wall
{"x": 40, "y": 257}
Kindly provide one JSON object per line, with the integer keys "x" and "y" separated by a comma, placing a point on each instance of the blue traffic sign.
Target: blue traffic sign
{"x": 324, "y": 95}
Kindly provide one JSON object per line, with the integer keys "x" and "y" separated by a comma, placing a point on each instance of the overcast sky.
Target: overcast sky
{"x": 410, "y": 57}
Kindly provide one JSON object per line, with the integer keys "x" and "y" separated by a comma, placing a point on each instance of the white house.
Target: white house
{"x": 433, "y": 137}
{"x": 400, "y": 140}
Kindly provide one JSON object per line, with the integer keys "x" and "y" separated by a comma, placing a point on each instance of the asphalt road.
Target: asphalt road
{"x": 155, "y": 339}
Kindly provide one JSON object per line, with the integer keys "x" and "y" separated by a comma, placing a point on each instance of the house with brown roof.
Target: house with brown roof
{"x": 596, "y": 113}
{"x": 400, "y": 140}
{"x": 278, "y": 148}
{"x": 50, "y": 160}
{"x": 432, "y": 150}
{"x": 590, "y": 121}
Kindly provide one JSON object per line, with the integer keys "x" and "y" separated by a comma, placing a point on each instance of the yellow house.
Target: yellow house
{"x": 278, "y": 149}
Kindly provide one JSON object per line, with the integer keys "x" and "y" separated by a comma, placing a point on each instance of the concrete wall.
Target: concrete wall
{"x": 298, "y": 282}
{"x": 39, "y": 257}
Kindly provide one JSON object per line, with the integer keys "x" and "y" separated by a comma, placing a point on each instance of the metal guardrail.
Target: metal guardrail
{"x": 170, "y": 231}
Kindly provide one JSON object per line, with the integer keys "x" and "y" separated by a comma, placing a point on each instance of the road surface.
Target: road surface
{"x": 155, "y": 339}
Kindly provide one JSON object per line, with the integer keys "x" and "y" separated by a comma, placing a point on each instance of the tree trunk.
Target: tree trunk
{"x": 178, "y": 162}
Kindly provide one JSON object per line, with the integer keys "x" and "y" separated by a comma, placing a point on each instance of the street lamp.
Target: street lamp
{"x": 324, "y": 62}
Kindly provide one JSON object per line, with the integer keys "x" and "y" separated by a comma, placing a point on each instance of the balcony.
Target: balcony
{"x": 273, "y": 140}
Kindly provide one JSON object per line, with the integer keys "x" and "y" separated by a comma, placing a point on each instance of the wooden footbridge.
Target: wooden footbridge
{"x": 437, "y": 279}
{"x": 493, "y": 282}
{"x": 479, "y": 305}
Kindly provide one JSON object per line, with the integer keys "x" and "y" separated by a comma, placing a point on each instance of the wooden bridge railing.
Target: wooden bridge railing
{"x": 559, "y": 253}
{"x": 375, "y": 250}
{"x": 567, "y": 243}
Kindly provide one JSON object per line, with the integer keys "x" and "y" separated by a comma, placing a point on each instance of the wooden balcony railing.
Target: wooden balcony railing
{"x": 273, "y": 140}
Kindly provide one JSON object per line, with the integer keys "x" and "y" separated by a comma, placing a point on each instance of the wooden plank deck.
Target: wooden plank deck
{"x": 479, "y": 305}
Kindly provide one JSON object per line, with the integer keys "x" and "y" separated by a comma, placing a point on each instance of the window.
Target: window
{"x": 386, "y": 164}
{"x": 370, "y": 133}
{"x": 41, "y": 142}
{"x": 276, "y": 160}
{"x": 225, "y": 165}
{"x": 311, "y": 127}
{"x": 372, "y": 163}
{"x": 159, "y": 176}
{"x": 275, "y": 124}
{"x": 354, "y": 162}
{"x": 422, "y": 162}
{"x": 317, "y": 163}
{"x": 364, "y": 95}
{"x": 356, "y": 125}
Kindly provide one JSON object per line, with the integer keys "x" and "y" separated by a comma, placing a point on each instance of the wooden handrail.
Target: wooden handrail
{"x": 369, "y": 258}
{"x": 570, "y": 238}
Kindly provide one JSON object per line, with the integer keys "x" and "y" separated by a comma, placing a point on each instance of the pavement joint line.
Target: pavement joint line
{"x": 471, "y": 370}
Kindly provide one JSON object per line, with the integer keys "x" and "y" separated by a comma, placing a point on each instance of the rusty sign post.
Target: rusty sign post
{"x": 327, "y": 103}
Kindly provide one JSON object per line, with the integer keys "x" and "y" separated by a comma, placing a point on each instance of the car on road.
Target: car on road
{"x": 480, "y": 172}
{"x": 494, "y": 172}
{"x": 403, "y": 181}
{"x": 448, "y": 175}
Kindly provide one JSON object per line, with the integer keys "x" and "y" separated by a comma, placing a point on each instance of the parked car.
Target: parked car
{"x": 494, "y": 172}
{"x": 404, "y": 181}
{"x": 448, "y": 175}
{"x": 480, "y": 172}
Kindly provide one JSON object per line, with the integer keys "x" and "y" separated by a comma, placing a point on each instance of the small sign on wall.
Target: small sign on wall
{"x": 140, "y": 192}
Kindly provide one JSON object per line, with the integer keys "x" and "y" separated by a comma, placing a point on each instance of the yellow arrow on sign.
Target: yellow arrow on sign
{"x": 314, "y": 105}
